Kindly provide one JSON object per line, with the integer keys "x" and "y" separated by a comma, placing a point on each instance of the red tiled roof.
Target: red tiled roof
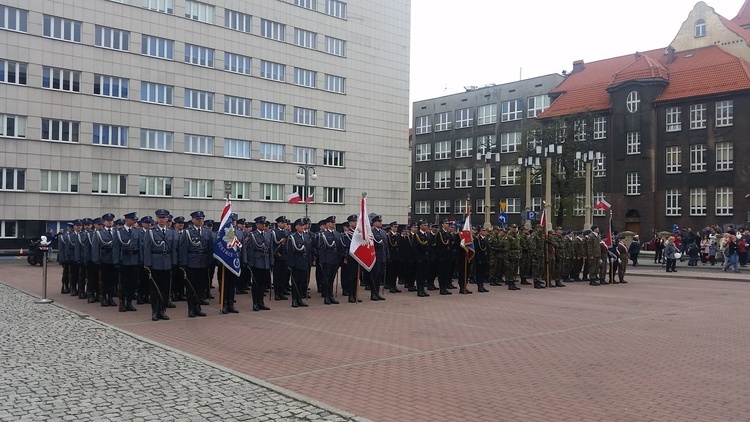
{"x": 692, "y": 74}
{"x": 743, "y": 16}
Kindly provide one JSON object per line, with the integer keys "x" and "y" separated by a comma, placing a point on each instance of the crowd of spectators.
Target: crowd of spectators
{"x": 709, "y": 246}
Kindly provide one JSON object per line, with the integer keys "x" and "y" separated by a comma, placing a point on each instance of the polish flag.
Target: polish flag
{"x": 543, "y": 220}
{"x": 362, "y": 248}
{"x": 294, "y": 198}
{"x": 603, "y": 205}
{"x": 467, "y": 242}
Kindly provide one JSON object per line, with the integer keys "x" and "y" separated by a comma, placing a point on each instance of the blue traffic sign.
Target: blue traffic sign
{"x": 502, "y": 218}
{"x": 531, "y": 215}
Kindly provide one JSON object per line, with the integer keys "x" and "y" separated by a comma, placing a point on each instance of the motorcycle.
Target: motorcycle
{"x": 36, "y": 254}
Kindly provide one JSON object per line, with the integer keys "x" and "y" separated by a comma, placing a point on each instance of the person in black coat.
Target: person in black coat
{"x": 634, "y": 250}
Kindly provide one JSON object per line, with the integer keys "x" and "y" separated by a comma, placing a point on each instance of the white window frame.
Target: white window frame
{"x": 272, "y": 30}
{"x": 12, "y": 179}
{"x": 479, "y": 207}
{"x": 633, "y": 142}
{"x": 272, "y": 111}
{"x": 199, "y": 100}
{"x": 674, "y": 119}
{"x": 109, "y": 184}
{"x": 600, "y": 128}
{"x": 271, "y": 192}
{"x": 442, "y": 150}
{"x": 335, "y": 84}
{"x": 198, "y": 188}
{"x": 157, "y": 47}
{"x": 511, "y": 110}
{"x": 724, "y": 156}
{"x": 109, "y": 135}
{"x": 155, "y": 186}
{"x": 422, "y": 208}
{"x": 58, "y": 181}
{"x": 672, "y": 203}
{"x": 8, "y": 229}
{"x": 237, "y": 63}
{"x": 13, "y": 72}
{"x": 62, "y": 29}
{"x": 238, "y": 21}
{"x": 442, "y": 179}
{"x": 199, "y": 56}
{"x": 241, "y": 191}
{"x": 536, "y": 203}
{"x": 111, "y": 86}
{"x": 463, "y": 178}
{"x": 13, "y": 126}
{"x": 700, "y": 28}
{"x": 157, "y": 140}
{"x": 14, "y": 19}
{"x": 423, "y": 152}
{"x": 724, "y": 201}
{"x": 152, "y": 92}
{"x": 724, "y": 113}
{"x": 198, "y": 11}
{"x": 537, "y": 105}
{"x": 697, "y": 158}
{"x": 304, "y": 116}
{"x": 442, "y": 121}
{"x": 459, "y": 206}
{"x": 336, "y": 9}
{"x": 698, "y": 202}
{"x": 199, "y": 144}
{"x": 486, "y": 114}
{"x": 633, "y": 183}
{"x": 422, "y": 180}
{"x": 333, "y": 195}
{"x": 578, "y": 205}
{"x": 305, "y": 38}
{"x": 633, "y": 101}
{"x": 237, "y": 106}
{"x": 579, "y": 130}
{"x": 307, "y": 4}
{"x": 111, "y": 38}
{"x": 237, "y": 148}
{"x": 442, "y": 206}
{"x": 481, "y": 180}
{"x": 464, "y": 118}
{"x": 598, "y": 197}
{"x": 335, "y": 121}
{"x": 674, "y": 159}
{"x": 303, "y": 155}
{"x": 512, "y": 205}
{"x": 305, "y": 77}
{"x": 335, "y": 46}
{"x": 333, "y": 158}
{"x": 509, "y": 142}
{"x": 273, "y": 71}
{"x": 271, "y": 152}
{"x": 697, "y": 116}
{"x": 509, "y": 175}
{"x": 422, "y": 125}
{"x": 164, "y": 6}
{"x": 464, "y": 147}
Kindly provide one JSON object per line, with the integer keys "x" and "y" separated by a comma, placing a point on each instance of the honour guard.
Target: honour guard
{"x": 328, "y": 259}
{"x": 89, "y": 271}
{"x": 75, "y": 257}
{"x": 159, "y": 257}
{"x": 350, "y": 266}
{"x": 481, "y": 259}
{"x": 126, "y": 257}
{"x": 280, "y": 267}
{"x": 593, "y": 255}
{"x": 622, "y": 263}
{"x": 444, "y": 255}
{"x": 393, "y": 270}
{"x": 381, "y": 257}
{"x": 194, "y": 253}
{"x": 511, "y": 244}
{"x": 423, "y": 257}
{"x": 178, "y": 277}
{"x": 62, "y": 257}
{"x": 102, "y": 249}
{"x": 259, "y": 258}
{"x": 299, "y": 259}
{"x": 537, "y": 249}
{"x": 230, "y": 280}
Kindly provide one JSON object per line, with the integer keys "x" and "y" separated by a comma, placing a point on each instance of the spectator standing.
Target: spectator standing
{"x": 712, "y": 253}
{"x": 705, "y": 248}
{"x": 742, "y": 249}
{"x": 670, "y": 249}
{"x": 634, "y": 250}
{"x": 731, "y": 257}
{"x": 658, "y": 249}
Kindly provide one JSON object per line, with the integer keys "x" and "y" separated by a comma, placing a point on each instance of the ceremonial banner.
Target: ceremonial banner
{"x": 467, "y": 242}
{"x": 227, "y": 247}
{"x": 362, "y": 248}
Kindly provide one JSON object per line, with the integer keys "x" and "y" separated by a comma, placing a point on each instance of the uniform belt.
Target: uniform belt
{"x": 162, "y": 252}
{"x": 129, "y": 251}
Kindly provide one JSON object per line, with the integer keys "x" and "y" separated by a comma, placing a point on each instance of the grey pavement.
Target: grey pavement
{"x": 57, "y": 365}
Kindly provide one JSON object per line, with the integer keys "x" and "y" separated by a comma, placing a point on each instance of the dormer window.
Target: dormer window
{"x": 633, "y": 101}
{"x": 700, "y": 28}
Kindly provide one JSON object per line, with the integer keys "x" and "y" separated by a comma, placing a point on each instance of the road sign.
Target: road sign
{"x": 502, "y": 218}
{"x": 502, "y": 204}
{"x": 531, "y": 215}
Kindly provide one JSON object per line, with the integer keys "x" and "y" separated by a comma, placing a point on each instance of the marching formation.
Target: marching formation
{"x": 166, "y": 260}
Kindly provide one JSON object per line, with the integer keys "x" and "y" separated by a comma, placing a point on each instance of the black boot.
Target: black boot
{"x": 593, "y": 283}
{"x": 480, "y": 287}
{"x": 197, "y": 311}
{"x": 538, "y": 284}
{"x": 512, "y": 285}
{"x": 421, "y": 292}
{"x": 129, "y": 305}
{"x": 558, "y": 283}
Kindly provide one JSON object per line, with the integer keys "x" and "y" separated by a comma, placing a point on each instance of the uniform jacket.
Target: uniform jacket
{"x": 299, "y": 252}
{"x": 444, "y": 245}
{"x": 592, "y": 246}
{"x": 259, "y": 250}
{"x": 423, "y": 243}
{"x": 62, "y": 252}
{"x": 279, "y": 249}
{"x": 75, "y": 247}
{"x": 381, "y": 245}
{"x": 328, "y": 241}
{"x": 195, "y": 248}
{"x": 481, "y": 250}
{"x": 88, "y": 241}
{"x": 102, "y": 246}
{"x": 160, "y": 249}
{"x": 126, "y": 249}
{"x": 394, "y": 245}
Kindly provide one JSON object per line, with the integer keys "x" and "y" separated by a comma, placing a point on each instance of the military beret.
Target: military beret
{"x": 587, "y": 232}
{"x": 594, "y": 227}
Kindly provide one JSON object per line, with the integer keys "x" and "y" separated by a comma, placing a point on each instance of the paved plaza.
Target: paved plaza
{"x": 664, "y": 347}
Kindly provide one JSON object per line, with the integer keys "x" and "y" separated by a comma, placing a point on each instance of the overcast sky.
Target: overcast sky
{"x": 479, "y": 42}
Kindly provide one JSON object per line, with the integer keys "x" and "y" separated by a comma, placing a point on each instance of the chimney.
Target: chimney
{"x": 577, "y": 66}
{"x": 637, "y": 55}
{"x": 670, "y": 55}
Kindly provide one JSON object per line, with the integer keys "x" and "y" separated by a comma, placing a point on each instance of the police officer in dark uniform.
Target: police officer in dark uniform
{"x": 408, "y": 250}
{"x": 194, "y": 252}
{"x": 381, "y": 257}
{"x": 160, "y": 256}
{"x": 126, "y": 256}
{"x": 423, "y": 242}
{"x": 230, "y": 279}
{"x": 75, "y": 257}
{"x": 299, "y": 259}
{"x": 349, "y": 266}
{"x": 280, "y": 267}
{"x": 91, "y": 272}
{"x": 209, "y": 225}
{"x": 102, "y": 249}
{"x": 444, "y": 255}
{"x": 259, "y": 258}
{"x": 393, "y": 267}
{"x": 178, "y": 276}
{"x": 328, "y": 258}
{"x": 63, "y": 240}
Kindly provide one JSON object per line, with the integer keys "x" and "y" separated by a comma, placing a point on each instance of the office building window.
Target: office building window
{"x": 463, "y": 178}
{"x": 422, "y": 125}
{"x": 335, "y": 84}
{"x": 481, "y": 180}
{"x": 164, "y": 6}
{"x": 509, "y": 142}
{"x": 198, "y": 11}
{"x": 421, "y": 180}
{"x": 60, "y": 130}
{"x": 600, "y": 127}
{"x": 157, "y": 47}
{"x": 108, "y": 184}
{"x": 480, "y": 208}
{"x": 633, "y": 102}
{"x": 335, "y": 46}
{"x": 698, "y": 201}
{"x": 237, "y": 21}
{"x": 336, "y": 8}
{"x": 332, "y": 158}
{"x": 111, "y": 86}
{"x": 272, "y": 30}
{"x": 155, "y": 186}
{"x": 598, "y": 197}
{"x": 423, "y": 152}
{"x": 62, "y": 29}
{"x": 271, "y": 111}
{"x": 633, "y": 143}
{"x": 237, "y": 106}
{"x": 579, "y": 130}
{"x": 198, "y": 188}
{"x": 674, "y": 119}
{"x": 463, "y": 147}
{"x": 459, "y": 207}
{"x": 12, "y": 126}
{"x": 512, "y": 205}
{"x": 578, "y": 205}
{"x": 59, "y": 181}
{"x": 115, "y": 39}
{"x": 304, "y": 116}
{"x": 237, "y": 63}
{"x": 199, "y": 100}
{"x": 306, "y": 39}
{"x": 304, "y": 77}
{"x": 13, "y": 72}
{"x": 307, "y": 4}
{"x": 442, "y": 150}
{"x": 8, "y": 229}
{"x": 697, "y": 116}
{"x": 157, "y": 140}
{"x": 633, "y": 183}
{"x": 271, "y": 152}
{"x": 273, "y": 71}
{"x": 673, "y": 202}
{"x": 724, "y": 156}
{"x": 442, "y": 122}
{"x": 12, "y": 179}
{"x": 156, "y": 93}
{"x": 697, "y": 158}
{"x": 487, "y": 114}
{"x": 303, "y": 155}
{"x": 724, "y": 201}
{"x": 464, "y": 118}
{"x": 237, "y": 148}
{"x": 14, "y": 19}
{"x": 333, "y": 195}
{"x": 334, "y": 121}
{"x": 271, "y": 192}
{"x": 442, "y": 206}
{"x": 537, "y": 105}
{"x": 674, "y": 159}
{"x": 511, "y": 110}
{"x": 301, "y": 190}
{"x": 199, "y": 144}
{"x": 509, "y": 175}
{"x": 107, "y": 135}
{"x": 240, "y": 190}
{"x": 442, "y": 179}
{"x": 422, "y": 207}
{"x": 724, "y": 113}
{"x": 200, "y": 56}
{"x": 486, "y": 144}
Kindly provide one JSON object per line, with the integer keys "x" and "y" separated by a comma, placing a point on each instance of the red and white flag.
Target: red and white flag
{"x": 362, "y": 248}
{"x": 603, "y": 205}
{"x": 294, "y": 198}
{"x": 543, "y": 220}
{"x": 467, "y": 241}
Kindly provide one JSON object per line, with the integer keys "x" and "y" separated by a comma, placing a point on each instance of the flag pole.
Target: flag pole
{"x": 611, "y": 242}
{"x": 222, "y": 286}
{"x": 466, "y": 253}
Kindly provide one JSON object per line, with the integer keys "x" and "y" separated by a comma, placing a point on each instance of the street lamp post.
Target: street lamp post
{"x": 486, "y": 153}
{"x": 550, "y": 151}
{"x": 588, "y": 157}
{"x": 528, "y": 162}
{"x": 306, "y": 173}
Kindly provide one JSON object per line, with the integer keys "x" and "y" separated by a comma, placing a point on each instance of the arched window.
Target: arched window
{"x": 700, "y": 28}
{"x": 633, "y": 101}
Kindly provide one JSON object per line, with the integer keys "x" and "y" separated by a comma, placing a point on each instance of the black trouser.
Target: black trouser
{"x": 481, "y": 271}
{"x": 329, "y": 276}
{"x": 378, "y": 275}
{"x": 671, "y": 264}
{"x": 408, "y": 274}
{"x": 197, "y": 278}
{"x": 108, "y": 281}
{"x": 422, "y": 273}
{"x": 160, "y": 296}
{"x": 299, "y": 284}
{"x": 75, "y": 277}
{"x": 349, "y": 276}
{"x": 229, "y": 287}
{"x": 261, "y": 281}
{"x": 392, "y": 270}
{"x": 65, "y": 277}
{"x": 128, "y": 277}
{"x": 143, "y": 284}
{"x": 178, "y": 284}
{"x": 209, "y": 279}
{"x": 445, "y": 273}
{"x": 319, "y": 277}
{"x": 92, "y": 280}
{"x": 280, "y": 277}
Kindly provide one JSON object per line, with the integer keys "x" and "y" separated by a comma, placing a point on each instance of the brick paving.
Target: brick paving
{"x": 662, "y": 347}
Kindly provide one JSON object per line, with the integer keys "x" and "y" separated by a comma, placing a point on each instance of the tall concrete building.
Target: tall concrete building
{"x": 134, "y": 105}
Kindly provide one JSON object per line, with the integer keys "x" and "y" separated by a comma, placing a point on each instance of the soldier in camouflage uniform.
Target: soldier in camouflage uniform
{"x": 537, "y": 251}
{"x": 511, "y": 246}
{"x": 525, "y": 262}
{"x": 593, "y": 254}
{"x": 552, "y": 247}
{"x": 496, "y": 257}
{"x": 579, "y": 253}
{"x": 567, "y": 255}
{"x": 558, "y": 244}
